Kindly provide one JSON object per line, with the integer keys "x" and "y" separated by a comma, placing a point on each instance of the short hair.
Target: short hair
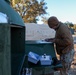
{"x": 53, "y": 18}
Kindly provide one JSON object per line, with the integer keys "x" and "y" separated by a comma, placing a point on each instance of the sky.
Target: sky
{"x": 64, "y": 10}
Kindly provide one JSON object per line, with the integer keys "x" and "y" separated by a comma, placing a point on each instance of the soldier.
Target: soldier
{"x": 63, "y": 43}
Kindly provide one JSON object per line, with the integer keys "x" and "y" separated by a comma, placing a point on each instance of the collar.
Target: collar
{"x": 58, "y": 26}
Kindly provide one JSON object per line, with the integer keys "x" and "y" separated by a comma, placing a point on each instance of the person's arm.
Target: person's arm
{"x": 50, "y": 40}
{"x": 65, "y": 40}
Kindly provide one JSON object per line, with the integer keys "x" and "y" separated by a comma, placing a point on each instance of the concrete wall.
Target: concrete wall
{"x": 38, "y": 31}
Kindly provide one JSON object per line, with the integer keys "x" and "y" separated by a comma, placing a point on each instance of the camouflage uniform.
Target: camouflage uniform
{"x": 66, "y": 60}
{"x": 64, "y": 47}
{"x": 63, "y": 43}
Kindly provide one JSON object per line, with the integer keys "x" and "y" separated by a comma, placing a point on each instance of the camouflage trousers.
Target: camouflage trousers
{"x": 66, "y": 60}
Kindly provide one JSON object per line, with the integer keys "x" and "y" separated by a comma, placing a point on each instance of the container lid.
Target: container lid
{"x": 37, "y": 42}
{"x": 13, "y": 16}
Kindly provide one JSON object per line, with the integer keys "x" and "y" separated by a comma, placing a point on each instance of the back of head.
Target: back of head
{"x": 53, "y": 20}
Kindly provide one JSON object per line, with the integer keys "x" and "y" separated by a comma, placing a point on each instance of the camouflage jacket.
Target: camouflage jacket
{"x": 63, "y": 39}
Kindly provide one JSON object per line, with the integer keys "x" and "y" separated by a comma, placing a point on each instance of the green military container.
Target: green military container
{"x": 39, "y": 47}
{"x": 12, "y": 41}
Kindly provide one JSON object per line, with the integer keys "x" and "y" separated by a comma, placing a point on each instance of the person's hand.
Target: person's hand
{"x": 50, "y": 40}
{"x": 47, "y": 39}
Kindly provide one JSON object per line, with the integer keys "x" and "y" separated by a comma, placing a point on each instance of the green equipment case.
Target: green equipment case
{"x": 39, "y": 48}
{"x": 12, "y": 41}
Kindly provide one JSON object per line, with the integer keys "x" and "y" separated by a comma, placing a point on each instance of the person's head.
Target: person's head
{"x": 53, "y": 22}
